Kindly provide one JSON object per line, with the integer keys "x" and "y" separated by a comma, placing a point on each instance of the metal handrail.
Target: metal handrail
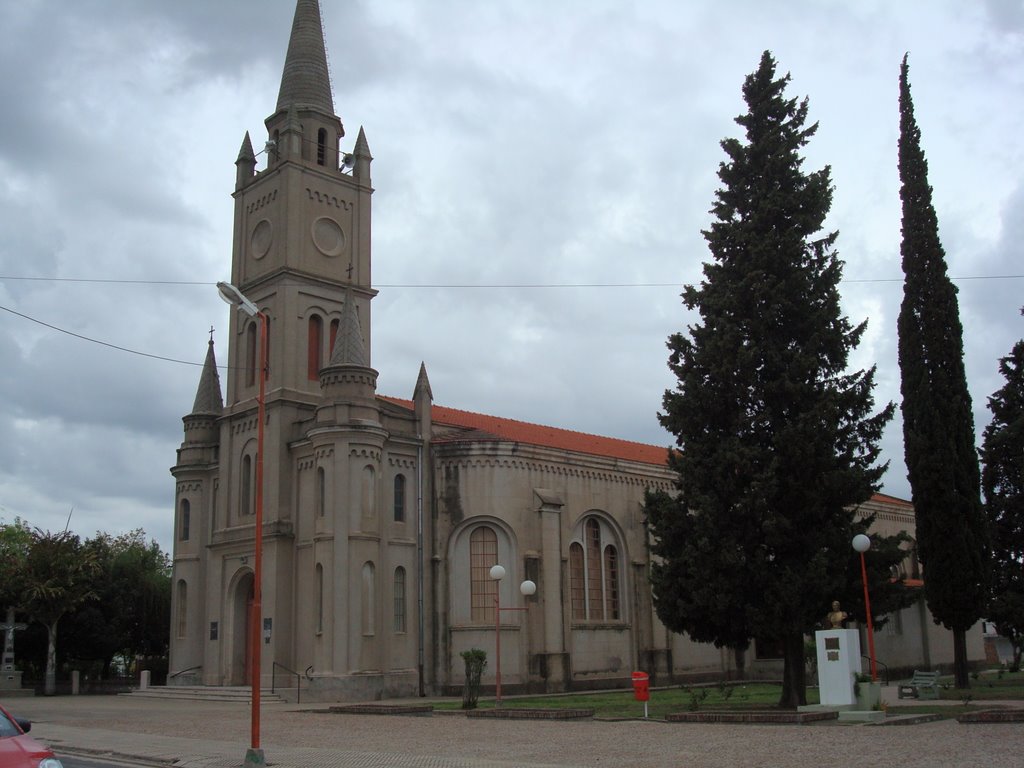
{"x": 183, "y": 671}
{"x": 881, "y": 664}
{"x": 298, "y": 679}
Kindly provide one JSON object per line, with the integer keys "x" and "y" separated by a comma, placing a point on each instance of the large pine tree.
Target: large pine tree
{"x": 1002, "y": 481}
{"x": 938, "y": 425}
{"x": 777, "y": 440}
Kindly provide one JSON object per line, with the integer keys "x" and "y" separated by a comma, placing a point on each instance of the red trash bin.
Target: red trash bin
{"x": 641, "y": 686}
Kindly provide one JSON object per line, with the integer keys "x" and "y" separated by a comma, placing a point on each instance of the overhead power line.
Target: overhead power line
{"x": 97, "y": 341}
{"x": 678, "y": 284}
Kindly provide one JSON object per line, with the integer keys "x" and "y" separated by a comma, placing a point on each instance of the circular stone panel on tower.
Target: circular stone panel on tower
{"x": 262, "y": 237}
{"x": 328, "y": 236}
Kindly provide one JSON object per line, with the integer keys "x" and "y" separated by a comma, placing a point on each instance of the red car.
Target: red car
{"x": 20, "y": 751}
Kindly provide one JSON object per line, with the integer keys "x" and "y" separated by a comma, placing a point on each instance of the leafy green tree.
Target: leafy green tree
{"x": 777, "y": 441}
{"x": 1002, "y": 481}
{"x": 129, "y": 613}
{"x": 938, "y": 425}
{"x": 15, "y": 542}
{"x": 57, "y": 578}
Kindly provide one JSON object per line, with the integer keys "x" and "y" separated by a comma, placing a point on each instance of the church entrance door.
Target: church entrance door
{"x": 240, "y": 665}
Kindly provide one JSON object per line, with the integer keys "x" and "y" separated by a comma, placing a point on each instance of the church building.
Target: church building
{"x": 382, "y": 517}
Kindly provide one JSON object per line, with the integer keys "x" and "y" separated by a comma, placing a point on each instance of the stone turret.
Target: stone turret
{"x": 348, "y": 384}
{"x": 202, "y": 432}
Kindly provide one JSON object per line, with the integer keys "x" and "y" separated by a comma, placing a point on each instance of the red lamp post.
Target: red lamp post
{"x": 254, "y": 756}
{"x": 527, "y": 588}
{"x": 862, "y": 544}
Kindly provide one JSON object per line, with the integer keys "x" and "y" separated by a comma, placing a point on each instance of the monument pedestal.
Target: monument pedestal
{"x": 838, "y": 664}
{"x": 10, "y": 680}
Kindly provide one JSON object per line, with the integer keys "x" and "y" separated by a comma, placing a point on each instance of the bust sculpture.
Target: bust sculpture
{"x": 836, "y": 617}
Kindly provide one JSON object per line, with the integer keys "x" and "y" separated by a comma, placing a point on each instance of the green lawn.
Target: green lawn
{"x": 612, "y": 704}
{"x": 989, "y": 686}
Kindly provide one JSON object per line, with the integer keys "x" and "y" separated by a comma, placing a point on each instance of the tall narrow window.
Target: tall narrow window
{"x": 592, "y": 533}
{"x": 321, "y": 491}
{"x": 483, "y": 553}
{"x": 319, "y": 598}
{"x": 251, "y": 361}
{"x": 399, "y": 498}
{"x": 368, "y": 599}
{"x": 245, "y": 487}
{"x": 314, "y": 353}
{"x": 369, "y": 492}
{"x": 182, "y": 608}
{"x": 275, "y": 152}
{"x": 399, "y": 599}
{"x": 577, "y": 594}
{"x": 185, "y": 519}
{"x": 611, "y": 582}
{"x": 335, "y": 325}
{"x": 321, "y": 146}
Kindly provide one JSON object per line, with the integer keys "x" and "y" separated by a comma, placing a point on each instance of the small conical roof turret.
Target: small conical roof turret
{"x": 306, "y": 80}
{"x": 245, "y": 153}
{"x": 209, "y": 401}
{"x": 348, "y": 347}
{"x": 422, "y": 384}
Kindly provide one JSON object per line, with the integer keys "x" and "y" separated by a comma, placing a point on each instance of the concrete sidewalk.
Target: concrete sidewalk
{"x": 215, "y": 735}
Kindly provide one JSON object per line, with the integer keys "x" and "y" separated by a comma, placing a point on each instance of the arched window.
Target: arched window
{"x": 399, "y": 498}
{"x": 314, "y": 355}
{"x": 245, "y": 487}
{"x": 368, "y": 594}
{"x": 483, "y": 553}
{"x": 185, "y": 519}
{"x": 594, "y": 573}
{"x": 592, "y": 553}
{"x": 321, "y": 146}
{"x": 182, "y": 608}
{"x": 369, "y": 494}
{"x": 251, "y": 361}
{"x": 321, "y": 491}
{"x": 399, "y": 625}
{"x": 319, "y": 598}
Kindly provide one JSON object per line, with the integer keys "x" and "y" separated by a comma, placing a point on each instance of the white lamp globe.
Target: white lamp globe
{"x": 528, "y": 588}
{"x": 497, "y": 572}
{"x": 861, "y": 543}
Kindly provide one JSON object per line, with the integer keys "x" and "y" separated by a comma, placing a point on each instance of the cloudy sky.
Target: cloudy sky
{"x": 543, "y": 171}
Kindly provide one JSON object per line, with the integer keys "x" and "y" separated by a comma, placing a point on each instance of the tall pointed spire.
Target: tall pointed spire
{"x": 306, "y": 80}
{"x": 209, "y": 401}
{"x": 348, "y": 347}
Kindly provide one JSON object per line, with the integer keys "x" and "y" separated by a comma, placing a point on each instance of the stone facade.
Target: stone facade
{"x": 382, "y": 516}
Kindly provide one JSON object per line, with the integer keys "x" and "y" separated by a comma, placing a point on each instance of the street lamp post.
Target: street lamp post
{"x": 254, "y": 756}
{"x": 527, "y": 588}
{"x": 862, "y": 544}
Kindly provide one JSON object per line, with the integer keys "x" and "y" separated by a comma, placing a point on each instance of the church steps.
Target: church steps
{"x": 238, "y": 694}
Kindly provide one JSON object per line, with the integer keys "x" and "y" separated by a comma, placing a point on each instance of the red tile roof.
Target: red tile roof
{"x": 484, "y": 427}
{"x": 480, "y": 426}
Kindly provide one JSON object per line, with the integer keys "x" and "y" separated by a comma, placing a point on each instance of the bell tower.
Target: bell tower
{"x": 302, "y": 228}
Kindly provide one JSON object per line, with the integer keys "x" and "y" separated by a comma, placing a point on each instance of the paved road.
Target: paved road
{"x": 215, "y": 735}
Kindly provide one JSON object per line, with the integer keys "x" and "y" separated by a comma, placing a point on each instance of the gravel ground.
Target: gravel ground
{"x": 580, "y": 743}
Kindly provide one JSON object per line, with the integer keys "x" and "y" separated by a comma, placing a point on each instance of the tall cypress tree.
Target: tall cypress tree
{"x": 1002, "y": 481}
{"x": 777, "y": 439}
{"x": 938, "y": 425}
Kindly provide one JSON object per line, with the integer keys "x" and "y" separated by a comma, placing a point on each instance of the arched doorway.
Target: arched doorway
{"x": 240, "y": 664}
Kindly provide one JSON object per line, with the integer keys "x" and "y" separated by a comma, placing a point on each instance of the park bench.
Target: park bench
{"x": 923, "y": 685}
